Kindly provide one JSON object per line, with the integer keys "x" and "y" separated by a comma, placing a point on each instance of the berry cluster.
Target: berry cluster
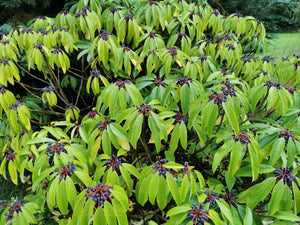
{"x": 10, "y": 156}
{"x": 95, "y": 73}
{"x": 2, "y": 90}
{"x": 270, "y": 84}
{"x": 23, "y": 132}
{"x": 128, "y": 17}
{"x": 121, "y": 84}
{"x": 152, "y": 52}
{"x": 104, "y": 35}
{"x": 65, "y": 171}
{"x": 243, "y": 138}
{"x": 218, "y": 98}
{"x": 114, "y": 162}
{"x": 92, "y": 114}
{"x": 202, "y": 58}
{"x": 211, "y": 198}
{"x": 83, "y": 12}
{"x": 113, "y": 9}
{"x": 266, "y": 60}
{"x": 27, "y": 30}
{"x": 215, "y": 12}
{"x": 31, "y": 156}
{"x": 172, "y": 51}
{"x": 14, "y": 206}
{"x": 45, "y": 184}
{"x": 151, "y": 3}
{"x": 186, "y": 170}
{"x": 230, "y": 47}
{"x": 100, "y": 193}
{"x": 284, "y": 174}
{"x": 64, "y": 12}
{"x": 159, "y": 82}
{"x": 286, "y": 134}
{"x": 159, "y": 167}
{"x": 179, "y": 117}
{"x": 38, "y": 45}
{"x": 246, "y": 58}
{"x": 56, "y": 148}
{"x": 57, "y": 50}
{"x": 48, "y": 89}
{"x": 44, "y": 32}
{"x": 152, "y": 35}
{"x": 238, "y": 15}
{"x": 197, "y": 214}
{"x": 4, "y": 42}
{"x": 184, "y": 80}
{"x": 263, "y": 72}
{"x": 14, "y": 106}
{"x": 4, "y": 61}
{"x": 291, "y": 90}
{"x": 3, "y": 33}
{"x": 125, "y": 48}
{"x": 103, "y": 125}
{"x": 144, "y": 109}
{"x": 179, "y": 34}
{"x": 285, "y": 59}
{"x": 229, "y": 89}
{"x": 229, "y": 197}
{"x": 70, "y": 106}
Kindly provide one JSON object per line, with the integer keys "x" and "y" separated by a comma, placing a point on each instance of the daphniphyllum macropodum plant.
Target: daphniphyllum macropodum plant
{"x": 153, "y": 112}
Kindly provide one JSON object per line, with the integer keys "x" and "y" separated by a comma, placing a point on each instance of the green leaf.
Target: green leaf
{"x": 62, "y": 198}
{"x": 231, "y": 115}
{"x": 178, "y": 210}
{"x": 109, "y": 214}
{"x": 120, "y": 213}
{"x": 276, "y": 151}
{"x": 183, "y": 135}
{"x": 13, "y": 172}
{"x": 184, "y": 188}
{"x": 153, "y": 188}
{"x": 277, "y": 193}
{"x": 235, "y": 159}
{"x": 144, "y": 190}
{"x": 282, "y": 215}
{"x": 225, "y": 209}
{"x": 99, "y": 217}
{"x": 185, "y": 98}
{"x": 174, "y": 189}
{"x": 118, "y": 131}
{"x": 248, "y": 220}
{"x": 162, "y": 194}
{"x": 86, "y": 212}
{"x": 253, "y": 195}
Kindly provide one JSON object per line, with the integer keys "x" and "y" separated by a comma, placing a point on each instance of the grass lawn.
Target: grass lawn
{"x": 283, "y": 45}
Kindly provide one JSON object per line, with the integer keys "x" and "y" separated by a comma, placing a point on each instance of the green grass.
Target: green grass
{"x": 283, "y": 45}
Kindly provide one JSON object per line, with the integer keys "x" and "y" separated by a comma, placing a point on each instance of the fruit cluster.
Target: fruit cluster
{"x": 291, "y": 90}
{"x": 4, "y": 61}
{"x": 286, "y": 134}
{"x": 65, "y": 171}
{"x": 56, "y": 148}
{"x": 284, "y": 174}
{"x": 179, "y": 117}
{"x": 172, "y": 51}
{"x": 56, "y": 50}
{"x": 70, "y": 106}
{"x": 270, "y": 84}
{"x": 184, "y": 80}
{"x": 159, "y": 167}
{"x": 95, "y": 73}
{"x": 242, "y": 137}
{"x": 45, "y": 184}
{"x": 197, "y": 214}
{"x": 230, "y": 47}
{"x": 125, "y": 48}
{"x": 128, "y": 17}
{"x": 2, "y": 90}
{"x": 82, "y": 12}
{"x": 48, "y": 89}
{"x": 229, "y": 89}
{"x": 100, "y": 193}
{"x": 218, "y": 98}
{"x": 152, "y": 35}
{"x": 246, "y": 58}
{"x": 38, "y": 45}
{"x": 64, "y": 12}
{"x": 10, "y": 156}
{"x": 4, "y": 42}
{"x": 113, "y": 9}
{"x": 23, "y": 132}
{"x": 121, "y": 84}
{"x": 14, "y": 206}
{"x": 229, "y": 197}
{"x": 104, "y": 35}
{"x": 103, "y": 125}
{"x": 31, "y": 156}
{"x": 211, "y": 198}
{"x": 114, "y": 162}
{"x": 202, "y": 58}
{"x": 152, "y": 52}
{"x": 144, "y": 109}
{"x": 92, "y": 114}
{"x": 179, "y": 34}
{"x": 27, "y": 30}
{"x": 158, "y": 82}
{"x": 151, "y": 3}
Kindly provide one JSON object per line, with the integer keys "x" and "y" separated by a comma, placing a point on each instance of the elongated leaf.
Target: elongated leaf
{"x": 276, "y": 151}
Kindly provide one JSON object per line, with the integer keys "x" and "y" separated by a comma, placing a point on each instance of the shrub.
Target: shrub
{"x": 122, "y": 111}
